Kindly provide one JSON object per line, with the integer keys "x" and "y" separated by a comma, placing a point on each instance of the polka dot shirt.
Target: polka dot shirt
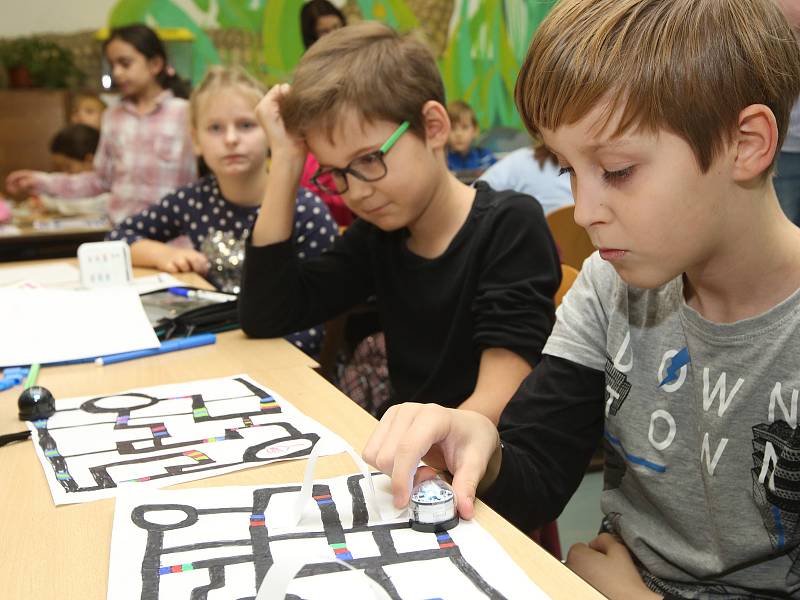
{"x": 199, "y": 209}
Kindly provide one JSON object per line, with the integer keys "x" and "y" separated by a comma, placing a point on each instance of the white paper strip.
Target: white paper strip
{"x": 304, "y": 496}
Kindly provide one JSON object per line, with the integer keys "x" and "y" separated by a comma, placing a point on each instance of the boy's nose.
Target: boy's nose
{"x": 589, "y": 205}
{"x": 358, "y": 190}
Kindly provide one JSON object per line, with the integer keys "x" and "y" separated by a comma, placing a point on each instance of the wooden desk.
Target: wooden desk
{"x": 63, "y": 552}
{"x": 35, "y": 244}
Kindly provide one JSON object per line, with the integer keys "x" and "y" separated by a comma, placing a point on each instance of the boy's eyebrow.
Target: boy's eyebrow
{"x": 594, "y": 147}
{"x": 353, "y": 155}
{"x": 619, "y": 142}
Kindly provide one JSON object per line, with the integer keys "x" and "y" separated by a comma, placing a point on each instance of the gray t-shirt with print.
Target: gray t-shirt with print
{"x": 702, "y": 477}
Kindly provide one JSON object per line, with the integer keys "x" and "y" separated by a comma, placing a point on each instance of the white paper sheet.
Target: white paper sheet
{"x": 151, "y": 283}
{"x": 167, "y": 543}
{"x": 95, "y": 446}
{"x": 9, "y": 230}
{"x": 45, "y": 275}
{"x": 65, "y": 276}
{"x": 49, "y": 325}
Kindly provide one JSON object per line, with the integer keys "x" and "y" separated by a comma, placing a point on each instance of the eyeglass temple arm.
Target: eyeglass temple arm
{"x": 390, "y": 142}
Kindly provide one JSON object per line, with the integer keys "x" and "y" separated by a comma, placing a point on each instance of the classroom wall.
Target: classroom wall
{"x": 479, "y": 44}
{"x": 49, "y": 16}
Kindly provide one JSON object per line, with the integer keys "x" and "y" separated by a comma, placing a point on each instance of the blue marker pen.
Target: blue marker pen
{"x": 202, "y": 294}
{"x": 192, "y": 341}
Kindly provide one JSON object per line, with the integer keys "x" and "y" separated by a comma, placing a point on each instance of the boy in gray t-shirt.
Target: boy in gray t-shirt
{"x": 678, "y": 345}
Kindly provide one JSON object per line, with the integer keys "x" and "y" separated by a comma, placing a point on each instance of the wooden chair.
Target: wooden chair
{"x": 568, "y": 276}
{"x": 571, "y": 239}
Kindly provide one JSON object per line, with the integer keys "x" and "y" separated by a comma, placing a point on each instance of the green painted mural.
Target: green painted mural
{"x": 479, "y": 44}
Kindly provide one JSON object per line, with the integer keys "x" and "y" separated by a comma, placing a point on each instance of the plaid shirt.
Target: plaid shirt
{"x": 140, "y": 158}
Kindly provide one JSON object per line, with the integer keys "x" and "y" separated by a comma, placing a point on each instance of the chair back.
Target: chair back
{"x": 572, "y": 241}
{"x": 568, "y": 276}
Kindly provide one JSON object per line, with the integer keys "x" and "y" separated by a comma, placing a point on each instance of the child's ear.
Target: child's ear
{"x": 756, "y": 142}
{"x": 155, "y": 65}
{"x": 437, "y": 124}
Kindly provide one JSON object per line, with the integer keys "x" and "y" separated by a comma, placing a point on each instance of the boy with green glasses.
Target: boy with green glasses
{"x": 463, "y": 278}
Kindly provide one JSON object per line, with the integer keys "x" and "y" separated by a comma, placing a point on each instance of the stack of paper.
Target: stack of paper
{"x": 52, "y": 325}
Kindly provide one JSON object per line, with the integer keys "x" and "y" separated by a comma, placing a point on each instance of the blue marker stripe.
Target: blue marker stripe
{"x": 633, "y": 458}
{"x": 323, "y": 502}
{"x": 778, "y": 525}
{"x": 164, "y": 570}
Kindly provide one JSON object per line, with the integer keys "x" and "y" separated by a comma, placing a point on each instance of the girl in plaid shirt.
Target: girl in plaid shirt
{"x": 145, "y": 148}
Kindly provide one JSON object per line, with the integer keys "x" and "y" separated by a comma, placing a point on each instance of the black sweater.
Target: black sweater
{"x": 550, "y": 430}
{"x": 492, "y": 287}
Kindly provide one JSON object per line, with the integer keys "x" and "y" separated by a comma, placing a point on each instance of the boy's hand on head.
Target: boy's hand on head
{"x": 607, "y": 566}
{"x": 460, "y": 441}
{"x": 18, "y": 182}
{"x": 281, "y": 143}
{"x": 183, "y": 260}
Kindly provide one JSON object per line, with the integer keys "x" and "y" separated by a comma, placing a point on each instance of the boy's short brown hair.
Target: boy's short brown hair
{"x": 458, "y": 109}
{"x": 687, "y": 66}
{"x": 367, "y": 67}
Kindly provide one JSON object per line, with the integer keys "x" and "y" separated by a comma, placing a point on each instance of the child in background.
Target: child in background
{"x": 145, "y": 149}
{"x": 678, "y": 344}
{"x": 317, "y": 18}
{"x": 72, "y": 151}
{"x": 448, "y": 265}
{"x": 228, "y": 137}
{"x": 534, "y": 171}
{"x": 87, "y": 109}
{"x": 462, "y": 155}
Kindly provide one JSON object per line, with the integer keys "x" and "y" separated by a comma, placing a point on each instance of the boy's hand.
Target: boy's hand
{"x": 21, "y": 182}
{"x": 607, "y": 566}
{"x": 461, "y": 441}
{"x": 182, "y": 260}
{"x": 268, "y": 114}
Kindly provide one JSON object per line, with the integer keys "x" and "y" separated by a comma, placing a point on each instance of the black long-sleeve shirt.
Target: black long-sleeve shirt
{"x": 492, "y": 287}
{"x": 550, "y": 430}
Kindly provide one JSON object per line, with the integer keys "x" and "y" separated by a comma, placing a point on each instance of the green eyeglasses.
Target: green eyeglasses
{"x": 369, "y": 167}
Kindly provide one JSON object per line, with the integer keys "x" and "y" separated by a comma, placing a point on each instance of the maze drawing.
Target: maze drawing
{"x": 92, "y": 447}
{"x": 219, "y": 543}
